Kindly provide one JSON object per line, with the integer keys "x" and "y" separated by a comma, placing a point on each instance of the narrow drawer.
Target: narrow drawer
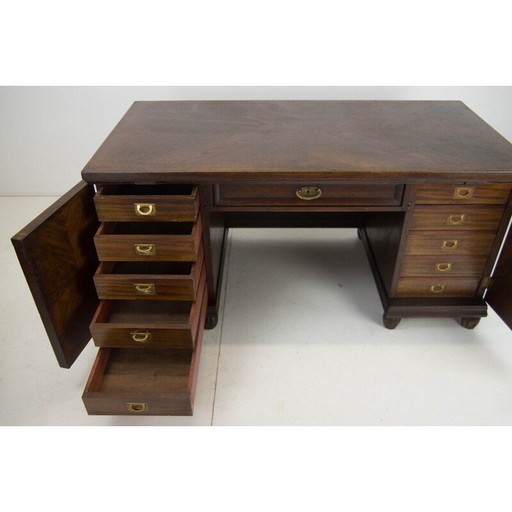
{"x": 462, "y": 194}
{"x": 148, "y": 324}
{"x": 143, "y": 203}
{"x": 448, "y": 243}
{"x": 456, "y": 217}
{"x": 437, "y": 287}
{"x": 149, "y": 280}
{"x": 446, "y": 265}
{"x": 307, "y": 194}
{"x": 144, "y": 382}
{"x": 127, "y": 241}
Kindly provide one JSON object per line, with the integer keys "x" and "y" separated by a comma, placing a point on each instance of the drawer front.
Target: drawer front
{"x": 447, "y": 265}
{"x": 156, "y": 325}
{"x": 147, "y": 246}
{"x": 307, "y": 194}
{"x": 462, "y": 194}
{"x": 161, "y": 203}
{"x": 448, "y": 243}
{"x": 144, "y": 382}
{"x": 451, "y": 217}
{"x": 167, "y": 284}
{"x": 436, "y": 287}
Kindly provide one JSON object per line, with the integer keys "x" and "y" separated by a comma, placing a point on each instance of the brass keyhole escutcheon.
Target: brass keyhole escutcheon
{"x": 137, "y": 407}
{"x": 308, "y": 193}
{"x": 145, "y": 209}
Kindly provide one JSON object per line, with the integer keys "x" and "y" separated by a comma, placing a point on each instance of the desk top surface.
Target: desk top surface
{"x": 239, "y": 140}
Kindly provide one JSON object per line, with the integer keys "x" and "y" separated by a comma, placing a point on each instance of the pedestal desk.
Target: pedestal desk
{"x": 133, "y": 254}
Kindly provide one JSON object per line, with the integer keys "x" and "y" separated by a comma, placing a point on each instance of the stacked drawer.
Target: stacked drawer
{"x": 450, "y": 237}
{"x": 151, "y": 282}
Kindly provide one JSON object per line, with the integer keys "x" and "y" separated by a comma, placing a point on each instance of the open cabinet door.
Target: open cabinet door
{"x": 499, "y": 294}
{"x": 57, "y": 255}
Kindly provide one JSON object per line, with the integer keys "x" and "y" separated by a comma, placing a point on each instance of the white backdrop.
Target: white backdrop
{"x": 47, "y": 134}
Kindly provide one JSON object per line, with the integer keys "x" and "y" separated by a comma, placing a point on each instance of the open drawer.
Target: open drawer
{"x": 144, "y": 382}
{"x": 150, "y": 280}
{"x": 149, "y": 324}
{"x": 151, "y": 241}
{"x": 143, "y": 203}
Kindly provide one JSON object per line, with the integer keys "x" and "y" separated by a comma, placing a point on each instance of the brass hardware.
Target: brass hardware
{"x": 456, "y": 219}
{"x": 145, "y": 209}
{"x": 437, "y": 288}
{"x": 485, "y": 282}
{"x": 141, "y": 336}
{"x": 308, "y": 193}
{"x": 463, "y": 192}
{"x": 145, "y": 249}
{"x": 443, "y": 267}
{"x": 145, "y": 289}
{"x": 137, "y": 407}
{"x": 449, "y": 244}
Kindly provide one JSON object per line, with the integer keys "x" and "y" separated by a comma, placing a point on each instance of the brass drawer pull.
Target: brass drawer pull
{"x": 137, "y": 407}
{"x": 449, "y": 244}
{"x": 145, "y": 249}
{"x": 463, "y": 192}
{"x": 145, "y": 289}
{"x": 443, "y": 267}
{"x": 456, "y": 219}
{"x": 145, "y": 209}
{"x": 141, "y": 337}
{"x": 308, "y": 193}
{"x": 437, "y": 288}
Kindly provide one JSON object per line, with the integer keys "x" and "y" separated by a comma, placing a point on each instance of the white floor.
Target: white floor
{"x": 299, "y": 342}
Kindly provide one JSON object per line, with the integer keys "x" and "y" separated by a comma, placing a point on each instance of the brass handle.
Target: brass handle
{"x": 145, "y": 249}
{"x": 145, "y": 209}
{"x": 437, "y": 288}
{"x": 456, "y": 219}
{"x": 463, "y": 192}
{"x": 141, "y": 337}
{"x": 449, "y": 244}
{"x": 443, "y": 267}
{"x": 137, "y": 407}
{"x": 145, "y": 289}
{"x": 308, "y": 193}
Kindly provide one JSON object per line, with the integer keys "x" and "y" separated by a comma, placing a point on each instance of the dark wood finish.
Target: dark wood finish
{"x": 216, "y": 141}
{"x": 58, "y": 259}
{"x": 171, "y": 280}
{"x": 437, "y": 286}
{"x": 468, "y": 323}
{"x": 164, "y": 379}
{"x": 173, "y": 241}
{"x": 499, "y": 294}
{"x": 456, "y": 218}
{"x": 431, "y": 242}
{"x": 284, "y": 194}
{"x": 116, "y": 203}
{"x": 171, "y": 324}
{"x": 437, "y": 266}
{"x": 480, "y": 194}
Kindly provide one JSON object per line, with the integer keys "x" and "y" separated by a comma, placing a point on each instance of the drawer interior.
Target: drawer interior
{"x": 150, "y": 190}
{"x": 148, "y": 228}
{"x": 146, "y": 267}
{"x": 145, "y": 371}
{"x": 153, "y": 312}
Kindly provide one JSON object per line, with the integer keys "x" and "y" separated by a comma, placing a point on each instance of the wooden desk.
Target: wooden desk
{"x": 137, "y": 262}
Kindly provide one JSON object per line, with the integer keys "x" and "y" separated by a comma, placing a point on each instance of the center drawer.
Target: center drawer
{"x": 307, "y": 194}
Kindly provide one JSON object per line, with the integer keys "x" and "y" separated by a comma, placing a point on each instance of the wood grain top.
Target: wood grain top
{"x": 209, "y": 141}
